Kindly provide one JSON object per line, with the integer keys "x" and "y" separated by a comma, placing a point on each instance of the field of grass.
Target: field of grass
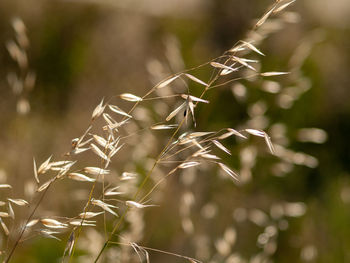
{"x": 174, "y": 131}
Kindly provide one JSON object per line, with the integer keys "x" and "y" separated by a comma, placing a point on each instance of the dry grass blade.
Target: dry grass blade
{"x": 166, "y": 82}
{"x": 176, "y": 111}
{"x": 80, "y": 177}
{"x": 196, "y": 79}
{"x": 273, "y": 73}
{"x": 229, "y": 171}
{"x": 130, "y": 97}
{"x": 118, "y": 110}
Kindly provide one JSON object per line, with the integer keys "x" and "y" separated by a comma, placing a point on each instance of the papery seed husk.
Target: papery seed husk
{"x": 166, "y": 82}
{"x": 229, "y": 171}
{"x": 176, "y": 111}
{"x": 35, "y": 172}
{"x": 52, "y": 223}
{"x": 4, "y": 227}
{"x": 87, "y": 215}
{"x": 265, "y": 16}
{"x": 20, "y": 202}
{"x": 196, "y": 79}
{"x": 98, "y": 152}
{"x": 256, "y": 132}
{"x": 4, "y": 214}
{"x": 252, "y": 47}
{"x": 280, "y": 8}
{"x": 188, "y": 164}
{"x": 130, "y": 97}
{"x": 273, "y": 73}
{"x": 95, "y": 170}
{"x": 44, "y": 166}
{"x": 98, "y": 110}
{"x": 5, "y": 186}
{"x": 80, "y": 177}
{"x": 118, "y": 110}
{"x": 221, "y": 147}
{"x": 164, "y": 127}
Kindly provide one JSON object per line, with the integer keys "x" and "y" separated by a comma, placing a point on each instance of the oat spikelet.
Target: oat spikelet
{"x": 191, "y": 77}
{"x": 221, "y": 147}
{"x": 35, "y": 172}
{"x": 176, "y": 111}
{"x": 44, "y": 166}
{"x": 166, "y": 82}
{"x": 130, "y": 97}
{"x": 229, "y": 171}
{"x": 134, "y": 204}
{"x": 118, "y": 110}
{"x": 4, "y": 227}
{"x": 273, "y": 73}
{"x": 19, "y": 202}
{"x": 80, "y": 177}
{"x": 188, "y": 164}
{"x": 242, "y": 62}
{"x": 252, "y": 47}
{"x": 52, "y": 223}
{"x": 263, "y": 19}
{"x": 164, "y": 127}
{"x": 98, "y": 110}
{"x": 98, "y": 152}
{"x": 104, "y": 206}
{"x": 282, "y": 7}
{"x": 5, "y": 186}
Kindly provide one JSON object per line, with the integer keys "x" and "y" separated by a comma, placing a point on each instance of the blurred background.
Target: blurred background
{"x": 294, "y": 209}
